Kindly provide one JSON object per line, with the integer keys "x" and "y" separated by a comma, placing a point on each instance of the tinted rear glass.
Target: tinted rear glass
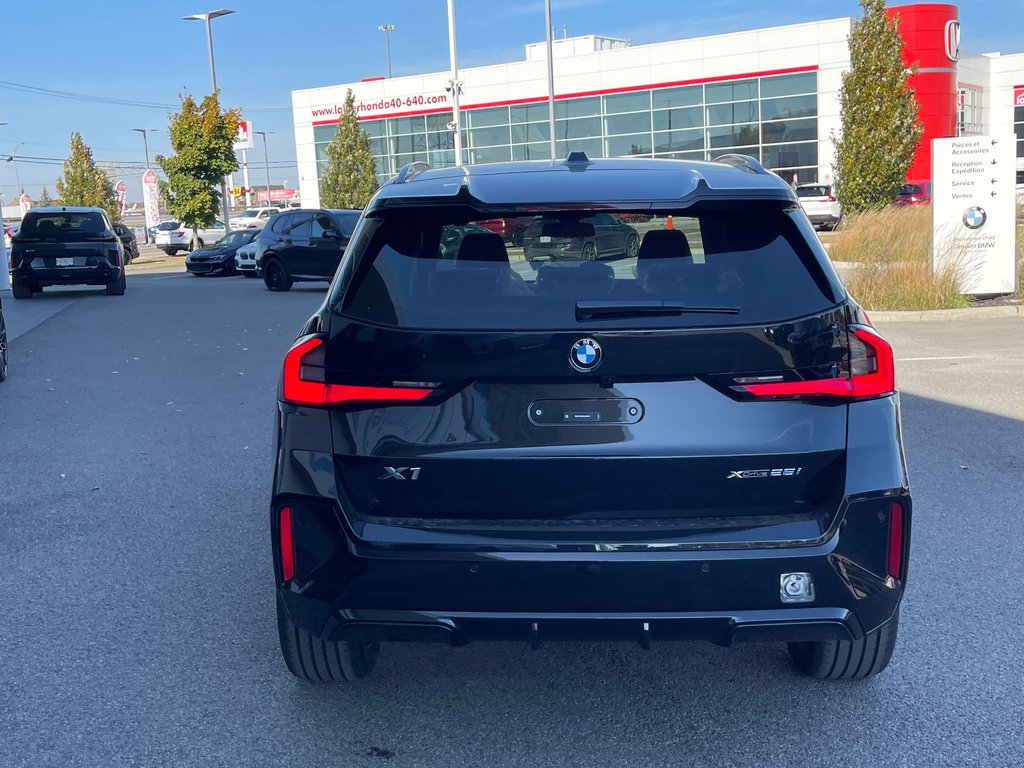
{"x": 812, "y": 191}
{"x": 346, "y": 220}
{"x": 910, "y": 189}
{"x": 167, "y": 226}
{"x": 62, "y": 225}
{"x": 416, "y": 271}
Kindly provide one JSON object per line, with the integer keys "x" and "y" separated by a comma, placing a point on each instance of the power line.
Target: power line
{"x": 38, "y": 91}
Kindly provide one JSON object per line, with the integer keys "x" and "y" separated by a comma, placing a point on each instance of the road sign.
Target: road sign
{"x": 243, "y": 139}
{"x": 973, "y": 215}
{"x": 236, "y": 191}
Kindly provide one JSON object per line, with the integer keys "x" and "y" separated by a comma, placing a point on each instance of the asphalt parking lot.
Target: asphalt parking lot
{"x": 139, "y": 615}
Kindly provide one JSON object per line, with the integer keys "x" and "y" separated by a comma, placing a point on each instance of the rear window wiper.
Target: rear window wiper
{"x": 590, "y": 310}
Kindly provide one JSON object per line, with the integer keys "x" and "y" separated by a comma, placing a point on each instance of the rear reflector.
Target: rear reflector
{"x": 871, "y": 373}
{"x": 287, "y": 550}
{"x": 894, "y": 563}
{"x": 304, "y": 381}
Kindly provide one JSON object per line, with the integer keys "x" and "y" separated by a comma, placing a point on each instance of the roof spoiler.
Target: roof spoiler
{"x": 743, "y": 162}
{"x": 410, "y": 171}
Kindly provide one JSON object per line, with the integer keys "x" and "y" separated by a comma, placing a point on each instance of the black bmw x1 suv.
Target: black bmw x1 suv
{"x": 700, "y": 440}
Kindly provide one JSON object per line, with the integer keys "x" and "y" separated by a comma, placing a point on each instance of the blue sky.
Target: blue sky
{"x": 141, "y": 50}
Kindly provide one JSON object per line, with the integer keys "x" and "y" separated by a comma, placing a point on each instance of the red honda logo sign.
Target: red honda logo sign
{"x": 953, "y": 40}
{"x": 1018, "y": 95}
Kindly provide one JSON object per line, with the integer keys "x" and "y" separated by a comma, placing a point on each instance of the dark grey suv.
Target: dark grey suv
{"x": 303, "y": 245}
{"x": 698, "y": 440}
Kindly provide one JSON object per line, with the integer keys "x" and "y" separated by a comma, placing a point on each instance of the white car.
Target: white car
{"x": 245, "y": 260}
{"x": 254, "y": 217}
{"x": 173, "y": 236}
{"x": 820, "y": 204}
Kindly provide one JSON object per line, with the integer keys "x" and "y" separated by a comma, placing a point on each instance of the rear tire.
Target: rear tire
{"x": 275, "y": 276}
{"x": 20, "y": 290}
{"x": 847, "y": 659}
{"x": 589, "y": 252}
{"x": 116, "y": 287}
{"x": 322, "y": 661}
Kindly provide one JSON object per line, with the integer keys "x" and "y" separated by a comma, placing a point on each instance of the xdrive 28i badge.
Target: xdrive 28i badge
{"x": 585, "y": 355}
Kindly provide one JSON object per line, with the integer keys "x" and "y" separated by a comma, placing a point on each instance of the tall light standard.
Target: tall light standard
{"x": 13, "y": 157}
{"x": 208, "y": 17}
{"x": 145, "y": 142}
{"x": 454, "y": 84}
{"x": 266, "y": 161}
{"x": 387, "y": 29}
{"x": 551, "y": 78}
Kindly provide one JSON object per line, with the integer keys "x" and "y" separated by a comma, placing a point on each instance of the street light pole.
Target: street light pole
{"x": 387, "y": 29}
{"x": 208, "y": 17}
{"x": 453, "y": 84}
{"x": 266, "y": 160}
{"x": 145, "y": 143}
{"x": 551, "y": 77}
{"x": 13, "y": 157}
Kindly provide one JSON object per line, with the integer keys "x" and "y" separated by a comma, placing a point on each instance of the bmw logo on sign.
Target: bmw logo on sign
{"x": 585, "y": 355}
{"x": 975, "y": 217}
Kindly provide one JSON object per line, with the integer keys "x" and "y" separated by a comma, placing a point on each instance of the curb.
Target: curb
{"x": 967, "y": 313}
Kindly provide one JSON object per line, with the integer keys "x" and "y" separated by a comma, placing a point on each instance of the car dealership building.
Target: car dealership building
{"x": 772, "y": 93}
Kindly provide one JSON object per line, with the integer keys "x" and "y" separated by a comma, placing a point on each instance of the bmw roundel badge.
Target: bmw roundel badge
{"x": 585, "y": 355}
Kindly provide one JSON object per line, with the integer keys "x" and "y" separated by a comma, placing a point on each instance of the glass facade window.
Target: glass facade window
{"x": 527, "y": 132}
{"x": 789, "y": 130}
{"x": 676, "y": 141}
{"x": 735, "y": 90}
{"x": 688, "y": 96}
{"x": 635, "y": 122}
{"x": 1018, "y": 124}
{"x": 627, "y": 102}
{"x": 731, "y": 114}
{"x": 773, "y": 118}
{"x": 688, "y": 117}
{"x": 789, "y": 106}
{"x": 637, "y": 144}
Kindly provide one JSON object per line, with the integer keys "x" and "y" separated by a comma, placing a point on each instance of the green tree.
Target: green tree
{"x": 878, "y": 112}
{"x": 350, "y": 178}
{"x": 202, "y": 136}
{"x": 85, "y": 184}
{"x": 45, "y": 199}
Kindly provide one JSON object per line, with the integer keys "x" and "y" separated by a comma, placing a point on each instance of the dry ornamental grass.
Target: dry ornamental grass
{"x": 891, "y": 249}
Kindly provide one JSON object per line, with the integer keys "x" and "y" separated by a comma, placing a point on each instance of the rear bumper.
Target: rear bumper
{"x": 92, "y": 275}
{"x": 346, "y": 588}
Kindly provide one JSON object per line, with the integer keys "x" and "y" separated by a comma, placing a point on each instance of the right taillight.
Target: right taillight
{"x": 304, "y": 381}
{"x": 871, "y": 374}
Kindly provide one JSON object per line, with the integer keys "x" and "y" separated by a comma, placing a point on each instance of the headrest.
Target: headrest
{"x": 483, "y": 246}
{"x": 664, "y": 244}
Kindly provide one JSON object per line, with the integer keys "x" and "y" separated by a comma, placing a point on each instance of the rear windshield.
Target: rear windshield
{"x": 63, "y": 225}
{"x": 437, "y": 270}
{"x": 812, "y": 191}
{"x": 346, "y": 220}
{"x": 910, "y": 189}
{"x": 167, "y": 226}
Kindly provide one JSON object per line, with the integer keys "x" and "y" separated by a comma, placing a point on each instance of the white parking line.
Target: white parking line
{"x": 951, "y": 357}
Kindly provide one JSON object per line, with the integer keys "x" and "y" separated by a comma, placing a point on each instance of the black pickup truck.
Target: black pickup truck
{"x": 66, "y": 246}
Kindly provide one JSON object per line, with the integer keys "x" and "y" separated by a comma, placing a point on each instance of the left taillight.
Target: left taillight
{"x": 872, "y": 374}
{"x": 304, "y": 381}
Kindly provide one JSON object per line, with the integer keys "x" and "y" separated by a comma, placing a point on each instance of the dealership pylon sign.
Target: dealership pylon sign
{"x": 973, "y": 212}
